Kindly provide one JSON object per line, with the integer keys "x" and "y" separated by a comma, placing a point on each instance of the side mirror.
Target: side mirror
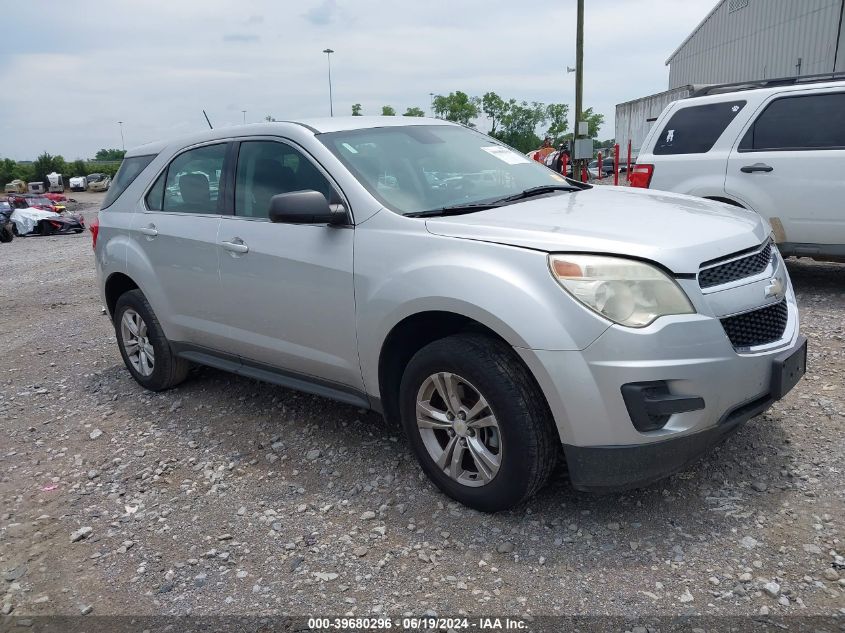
{"x": 305, "y": 207}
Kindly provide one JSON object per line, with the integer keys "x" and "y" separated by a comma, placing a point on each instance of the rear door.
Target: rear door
{"x": 686, "y": 155}
{"x": 177, "y": 231}
{"x": 287, "y": 289}
{"x": 789, "y": 166}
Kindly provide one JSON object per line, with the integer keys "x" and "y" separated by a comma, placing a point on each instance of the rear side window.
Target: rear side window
{"x": 156, "y": 194}
{"x": 799, "y": 123}
{"x": 192, "y": 184}
{"x": 128, "y": 172}
{"x": 694, "y": 130}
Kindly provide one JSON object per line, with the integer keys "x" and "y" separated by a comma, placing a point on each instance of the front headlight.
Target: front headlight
{"x": 625, "y": 291}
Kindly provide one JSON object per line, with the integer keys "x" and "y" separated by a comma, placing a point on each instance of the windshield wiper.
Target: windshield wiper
{"x": 469, "y": 207}
{"x": 455, "y": 209}
{"x": 537, "y": 191}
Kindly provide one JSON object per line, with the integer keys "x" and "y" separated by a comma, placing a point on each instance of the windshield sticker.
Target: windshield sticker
{"x": 348, "y": 147}
{"x": 506, "y": 155}
{"x": 560, "y": 178}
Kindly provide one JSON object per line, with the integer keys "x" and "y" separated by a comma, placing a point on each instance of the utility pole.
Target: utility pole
{"x": 328, "y": 53}
{"x": 122, "y": 143}
{"x": 431, "y": 100}
{"x": 577, "y": 166}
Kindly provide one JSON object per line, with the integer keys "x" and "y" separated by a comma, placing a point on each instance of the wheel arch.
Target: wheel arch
{"x": 413, "y": 333}
{"x": 116, "y": 285}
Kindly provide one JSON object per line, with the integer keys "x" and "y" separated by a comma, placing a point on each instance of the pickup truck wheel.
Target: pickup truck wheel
{"x": 477, "y": 423}
{"x": 143, "y": 345}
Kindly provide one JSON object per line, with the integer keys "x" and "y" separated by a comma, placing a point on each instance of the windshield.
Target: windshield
{"x": 418, "y": 168}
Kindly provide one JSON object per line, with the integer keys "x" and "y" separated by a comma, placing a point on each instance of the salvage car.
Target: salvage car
{"x": 7, "y": 232}
{"x": 35, "y": 201}
{"x": 33, "y": 221}
{"x": 99, "y": 182}
{"x": 503, "y": 326}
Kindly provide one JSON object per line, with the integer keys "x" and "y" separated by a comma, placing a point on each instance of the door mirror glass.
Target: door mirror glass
{"x": 305, "y": 207}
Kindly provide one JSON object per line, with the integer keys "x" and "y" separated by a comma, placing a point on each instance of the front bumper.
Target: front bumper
{"x": 693, "y": 357}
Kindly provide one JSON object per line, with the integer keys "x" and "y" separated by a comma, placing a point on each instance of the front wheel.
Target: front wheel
{"x": 143, "y": 345}
{"x": 7, "y": 233}
{"x": 477, "y": 422}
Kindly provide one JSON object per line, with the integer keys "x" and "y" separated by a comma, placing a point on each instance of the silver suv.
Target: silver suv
{"x": 504, "y": 315}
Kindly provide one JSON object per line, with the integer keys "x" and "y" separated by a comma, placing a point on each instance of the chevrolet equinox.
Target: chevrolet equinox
{"x": 505, "y": 316}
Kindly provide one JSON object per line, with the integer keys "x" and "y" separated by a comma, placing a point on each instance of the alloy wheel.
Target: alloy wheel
{"x": 459, "y": 430}
{"x": 136, "y": 342}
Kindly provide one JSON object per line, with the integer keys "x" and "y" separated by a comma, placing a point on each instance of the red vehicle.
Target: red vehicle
{"x": 56, "y": 197}
{"x": 35, "y": 201}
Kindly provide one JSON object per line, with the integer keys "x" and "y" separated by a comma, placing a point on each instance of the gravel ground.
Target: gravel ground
{"x": 226, "y": 495}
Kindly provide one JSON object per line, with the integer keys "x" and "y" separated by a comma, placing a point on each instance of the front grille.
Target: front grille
{"x": 737, "y": 269}
{"x": 757, "y": 327}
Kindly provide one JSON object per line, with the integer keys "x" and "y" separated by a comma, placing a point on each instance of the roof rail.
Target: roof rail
{"x": 755, "y": 84}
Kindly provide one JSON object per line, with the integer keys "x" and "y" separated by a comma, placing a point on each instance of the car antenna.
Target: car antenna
{"x": 207, "y": 121}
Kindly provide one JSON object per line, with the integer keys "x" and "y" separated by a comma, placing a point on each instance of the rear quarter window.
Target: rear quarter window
{"x": 125, "y": 176}
{"x": 695, "y": 129}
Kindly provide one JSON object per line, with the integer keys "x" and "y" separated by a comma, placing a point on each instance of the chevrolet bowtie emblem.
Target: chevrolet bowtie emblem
{"x": 775, "y": 288}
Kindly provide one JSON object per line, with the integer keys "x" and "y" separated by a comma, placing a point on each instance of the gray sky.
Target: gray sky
{"x": 79, "y": 67}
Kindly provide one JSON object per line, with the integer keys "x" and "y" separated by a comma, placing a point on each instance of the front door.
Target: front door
{"x": 788, "y": 166}
{"x": 287, "y": 289}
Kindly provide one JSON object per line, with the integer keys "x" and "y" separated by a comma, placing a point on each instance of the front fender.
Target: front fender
{"x": 401, "y": 271}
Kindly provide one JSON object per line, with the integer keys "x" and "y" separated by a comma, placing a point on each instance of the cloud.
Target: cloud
{"x": 323, "y": 14}
{"x": 156, "y": 66}
{"x": 240, "y": 37}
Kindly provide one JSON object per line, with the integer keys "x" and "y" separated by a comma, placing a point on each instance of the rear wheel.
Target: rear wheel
{"x": 7, "y": 233}
{"x": 143, "y": 345}
{"x": 477, "y": 422}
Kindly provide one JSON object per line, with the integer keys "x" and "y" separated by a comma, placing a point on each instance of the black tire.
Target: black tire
{"x": 7, "y": 233}
{"x": 529, "y": 440}
{"x": 168, "y": 369}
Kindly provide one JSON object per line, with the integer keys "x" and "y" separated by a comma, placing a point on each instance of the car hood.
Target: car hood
{"x": 679, "y": 232}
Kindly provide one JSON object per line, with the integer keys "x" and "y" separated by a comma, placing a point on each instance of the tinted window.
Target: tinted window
{"x": 193, "y": 180}
{"x": 806, "y": 122}
{"x": 156, "y": 194}
{"x": 267, "y": 168}
{"x": 694, "y": 130}
{"x": 128, "y": 172}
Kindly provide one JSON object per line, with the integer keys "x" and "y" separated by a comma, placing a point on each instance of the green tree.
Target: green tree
{"x": 46, "y": 164}
{"x": 356, "y": 109}
{"x": 415, "y": 111}
{"x": 458, "y": 107}
{"x": 77, "y": 168}
{"x": 495, "y": 108}
{"x": 594, "y": 121}
{"x": 519, "y": 125}
{"x": 110, "y": 154}
{"x": 558, "y": 118}
{"x": 270, "y": 119}
{"x": 388, "y": 111}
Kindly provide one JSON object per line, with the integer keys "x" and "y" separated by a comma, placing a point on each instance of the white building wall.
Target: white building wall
{"x": 760, "y": 39}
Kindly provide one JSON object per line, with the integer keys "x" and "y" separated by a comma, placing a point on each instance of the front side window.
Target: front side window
{"x": 193, "y": 180}
{"x": 125, "y": 176}
{"x": 799, "y": 123}
{"x": 695, "y": 129}
{"x": 417, "y": 168}
{"x": 268, "y": 168}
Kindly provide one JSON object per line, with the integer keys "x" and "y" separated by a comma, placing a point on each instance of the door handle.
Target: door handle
{"x": 149, "y": 231}
{"x": 235, "y": 246}
{"x": 748, "y": 169}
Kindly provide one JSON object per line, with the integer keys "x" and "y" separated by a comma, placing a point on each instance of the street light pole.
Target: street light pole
{"x": 431, "y": 98}
{"x": 328, "y": 53}
{"x": 122, "y": 143}
{"x": 244, "y": 113}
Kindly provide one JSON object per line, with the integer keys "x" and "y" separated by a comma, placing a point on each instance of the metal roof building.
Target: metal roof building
{"x": 742, "y": 40}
